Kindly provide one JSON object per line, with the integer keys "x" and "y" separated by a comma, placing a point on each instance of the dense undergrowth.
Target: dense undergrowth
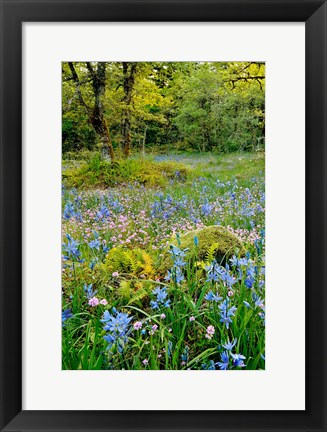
{"x": 122, "y": 308}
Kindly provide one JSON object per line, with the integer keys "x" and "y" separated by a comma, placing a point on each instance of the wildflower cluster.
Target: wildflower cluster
{"x": 72, "y": 250}
{"x": 91, "y": 297}
{"x": 228, "y": 359}
{"x": 226, "y": 312}
{"x": 218, "y": 273}
{"x": 163, "y": 319}
{"x": 117, "y": 327}
{"x": 175, "y": 274}
{"x": 161, "y": 298}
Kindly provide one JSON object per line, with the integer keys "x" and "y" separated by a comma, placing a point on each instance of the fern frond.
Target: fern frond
{"x": 210, "y": 254}
{"x": 138, "y": 296}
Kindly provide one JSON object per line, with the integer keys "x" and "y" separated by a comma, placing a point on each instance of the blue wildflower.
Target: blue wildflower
{"x": 89, "y": 292}
{"x": 249, "y": 282}
{"x": 154, "y": 304}
{"x": 178, "y": 262}
{"x": 161, "y": 298}
{"x": 243, "y": 262}
{"x": 72, "y": 249}
{"x": 69, "y": 210}
{"x": 92, "y": 263}
{"x": 66, "y": 314}
{"x": 177, "y": 252}
{"x": 184, "y": 356}
{"x": 117, "y": 327}
{"x": 175, "y": 274}
{"x": 178, "y": 276}
{"x": 229, "y": 345}
{"x": 258, "y": 301}
{"x": 238, "y": 360}
{"x": 225, "y": 313}
{"x": 228, "y": 278}
{"x": 209, "y": 366}
{"x": 214, "y": 272}
{"x": 206, "y": 209}
{"x": 212, "y": 297}
{"x": 95, "y": 244}
{"x": 223, "y": 364}
{"x": 103, "y": 213}
{"x": 262, "y": 315}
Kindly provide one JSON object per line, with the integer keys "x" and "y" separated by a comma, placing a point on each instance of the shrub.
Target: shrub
{"x": 214, "y": 242}
{"x": 97, "y": 173}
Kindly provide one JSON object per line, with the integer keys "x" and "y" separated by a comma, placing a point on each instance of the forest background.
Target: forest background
{"x": 128, "y": 107}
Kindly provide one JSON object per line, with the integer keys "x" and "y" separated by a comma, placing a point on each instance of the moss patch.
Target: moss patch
{"x": 214, "y": 240}
{"x": 97, "y": 173}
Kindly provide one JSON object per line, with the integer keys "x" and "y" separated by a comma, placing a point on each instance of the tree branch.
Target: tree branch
{"x": 78, "y": 83}
{"x": 91, "y": 70}
{"x": 246, "y": 79}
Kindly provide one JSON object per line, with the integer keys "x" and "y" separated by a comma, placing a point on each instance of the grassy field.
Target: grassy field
{"x": 133, "y": 296}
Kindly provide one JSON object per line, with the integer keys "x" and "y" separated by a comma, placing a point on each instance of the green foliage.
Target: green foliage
{"x": 132, "y": 262}
{"x": 201, "y": 106}
{"x": 77, "y": 134}
{"x": 82, "y": 354}
{"x": 210, "y": 115}
{"x": 98, "y": 173}
{"x": 83, "y": 155}
{"x": 133, "y": 292}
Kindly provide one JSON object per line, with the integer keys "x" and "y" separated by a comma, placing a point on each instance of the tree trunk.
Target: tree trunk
{"x": 100, "y": 126}
{"x": 95, "y": 113}
{"x": 129, "y": 70}
{"x": 144, "y": 139}
{"x": 97, "y": 118}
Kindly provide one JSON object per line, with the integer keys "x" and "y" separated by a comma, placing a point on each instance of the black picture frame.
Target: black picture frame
{"x": 13, "y": 14}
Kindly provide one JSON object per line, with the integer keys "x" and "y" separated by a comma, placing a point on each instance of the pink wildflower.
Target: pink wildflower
{"x": 192, "y": 318}
{"x": 210, "y": 332}
{"x": 103, "y": 302}
{"x": 93, "y": 301}
{"x": 115, "y": 274}
{"x": 137, "y": 325}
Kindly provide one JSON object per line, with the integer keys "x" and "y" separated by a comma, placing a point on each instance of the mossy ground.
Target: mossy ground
{"x": 102, "y": 174}
{"x": 90, "y": 172}
{"x": 216, "y": 241}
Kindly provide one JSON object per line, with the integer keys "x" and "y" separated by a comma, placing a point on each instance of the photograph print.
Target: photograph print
{"x": 163, "y": 216}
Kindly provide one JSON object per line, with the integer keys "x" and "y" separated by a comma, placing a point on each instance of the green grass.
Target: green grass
{"x": 95, "y": 173}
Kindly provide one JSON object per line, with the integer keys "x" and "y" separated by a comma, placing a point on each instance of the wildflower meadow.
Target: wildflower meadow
{"x": 163, "y": 237}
